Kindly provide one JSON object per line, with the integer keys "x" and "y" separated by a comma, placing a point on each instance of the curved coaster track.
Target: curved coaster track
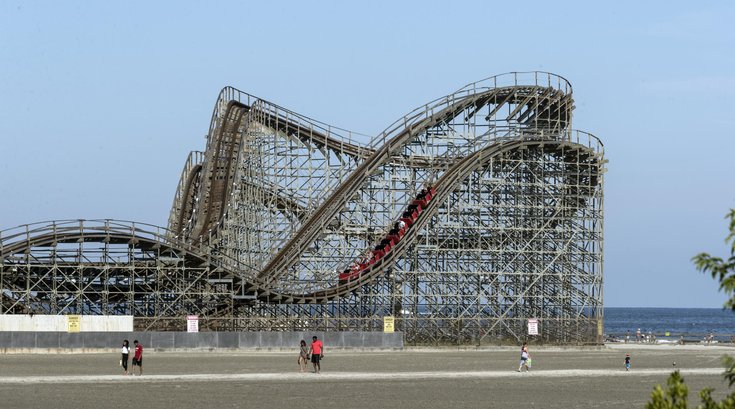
{"x": 462, "y": 220}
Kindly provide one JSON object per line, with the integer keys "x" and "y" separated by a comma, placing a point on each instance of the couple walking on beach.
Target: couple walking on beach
{"x": 316, "y": 351}
{"x": 137, "y": 357}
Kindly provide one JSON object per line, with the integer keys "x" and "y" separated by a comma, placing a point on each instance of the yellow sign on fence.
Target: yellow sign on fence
{"x": 388, "y": 324}
{"x": 74, "y": 323}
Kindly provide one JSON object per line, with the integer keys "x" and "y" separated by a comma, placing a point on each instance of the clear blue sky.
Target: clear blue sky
{"x": 101, "y": 103}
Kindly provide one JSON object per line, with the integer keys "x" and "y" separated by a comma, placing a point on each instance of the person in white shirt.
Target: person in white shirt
{"x": 125, "y": 352}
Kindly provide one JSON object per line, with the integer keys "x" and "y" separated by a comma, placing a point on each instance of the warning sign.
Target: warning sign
{"x": 192, "y": 323}
{"x": 532, "y": 326}
{"x": 74, "y": 323}
{"x": 388, "y": 324}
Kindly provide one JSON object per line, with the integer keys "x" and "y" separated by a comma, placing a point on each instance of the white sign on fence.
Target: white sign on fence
{"x": 532, "y": 326}
{"x": 192, "y": 323}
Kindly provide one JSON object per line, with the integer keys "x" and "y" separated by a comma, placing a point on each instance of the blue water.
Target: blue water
{"x": 678, "y": 321}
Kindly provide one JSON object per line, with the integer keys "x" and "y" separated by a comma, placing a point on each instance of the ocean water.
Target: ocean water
{"x": 689, "y": 322}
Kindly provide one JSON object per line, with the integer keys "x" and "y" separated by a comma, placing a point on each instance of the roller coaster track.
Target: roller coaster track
{"x": 216, "y": 173}
{"x": 112, "y": 232}
{"x": 191, "y": 179}
{"x": 222, "y": 157}
{"x": 273, "y": 209}
{"x": 411, "y": 127}
{"x": 99, "y": 231}
{"x": 444, "y": 186}
{"x": 42, "y": 252}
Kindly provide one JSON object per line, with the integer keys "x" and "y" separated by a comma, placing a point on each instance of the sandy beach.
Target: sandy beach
{"x": 422, "y": 378}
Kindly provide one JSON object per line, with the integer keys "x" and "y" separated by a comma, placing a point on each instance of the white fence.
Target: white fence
{"x": 66, "y": 323}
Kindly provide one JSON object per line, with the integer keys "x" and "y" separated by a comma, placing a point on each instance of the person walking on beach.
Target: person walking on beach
{"x": 638, "y": 335}
{"x": 303, "y": 355}
{"x": 525, "y": 356}
{"x": 317, "y": 352}
{"x": 125, "y": 353}
{"x": 138, "y": 358}
{"x": 627, "y": 362}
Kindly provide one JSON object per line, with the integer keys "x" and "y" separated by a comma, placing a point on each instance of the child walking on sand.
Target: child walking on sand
{"x": 627, "y": 362}
{"x": 525, "y": 357}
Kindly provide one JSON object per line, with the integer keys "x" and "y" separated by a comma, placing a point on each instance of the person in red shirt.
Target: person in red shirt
{"x": 138, "y": 358}
{"x": 317, "y": 352}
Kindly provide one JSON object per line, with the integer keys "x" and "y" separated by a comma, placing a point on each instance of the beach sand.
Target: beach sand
{"x": 420, "y": 378}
